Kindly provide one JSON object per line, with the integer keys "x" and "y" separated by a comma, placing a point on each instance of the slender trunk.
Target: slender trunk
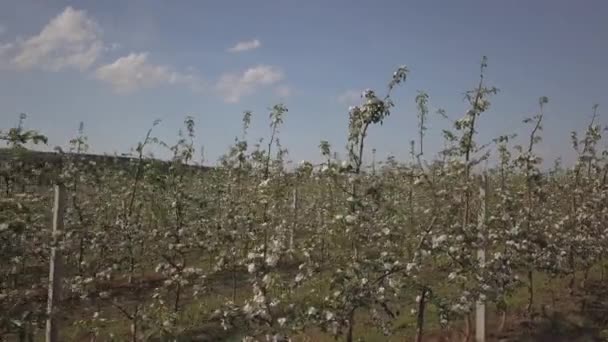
{"x": 178, "y": 293}
{"x": 233, "y": 279}
{"x": 420, "y": 321}
{"x": 22, "y": 334}
{"x": 134, "y": 330}
{"x": 265, "y": 227}
{"x": 584, "y": 288}
{"x": 502, "y": 321}
{"x": 322, "y": 250}
{"x": 134, "y": 325}
{"x": 571, "y": 284}
{"x": 246, "y": 249}
{"x": 131, "y": 267}
{"x": 467, "y": 328}
{"x": 30, "y": 333}
{"x": 585, "y": 277}
{"x": 80, "y": 255}
{"x": 354, "y": 235}
{"x": 530, "y": 307}
{"x": 266, "y": 176}
{"x": 351, "y": 325}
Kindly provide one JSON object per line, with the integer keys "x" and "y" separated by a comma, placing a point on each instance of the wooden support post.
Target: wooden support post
{"x": 480, "y": 307}
{"x": 295, "y": 221}
{"x": 55, "y": 266}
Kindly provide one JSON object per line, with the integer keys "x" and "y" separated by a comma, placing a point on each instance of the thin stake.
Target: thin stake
{"x": 55, "y": 266}
{"x": 480, "y": 307}
{"x": 295, "y": 220}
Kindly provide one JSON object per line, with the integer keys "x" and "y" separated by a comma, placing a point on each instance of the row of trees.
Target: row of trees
{"x": 268, "y": 252}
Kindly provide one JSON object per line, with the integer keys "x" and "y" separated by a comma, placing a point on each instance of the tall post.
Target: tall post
{"x": 480, "y": 307}
{"x": 295, "y": 220}
{"x": 55, "y": 266}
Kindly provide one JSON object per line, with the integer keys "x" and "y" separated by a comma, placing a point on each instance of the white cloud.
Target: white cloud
{"x": 70, "y": 40}
{"x": 134, "y": 71}
{"x": 73, "y": 40}
{"x": 349, "y": 97}
{"x": 5, "y": 48}
{"x": 245, "y": 46}
{"x": 283, "y": 91}
{"x": 233, "y": 86}
{"x": 113, "y": 47}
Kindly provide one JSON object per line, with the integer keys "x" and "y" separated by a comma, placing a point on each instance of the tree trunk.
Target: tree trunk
{"x": 80, "y": 254}
{"x": 134, "y": 330}
{"x": 351, "y": 325}
{"x": 178, "y": 293}
{"x": 131, "y": 267}
{"x": 530, "y": 307}
{"x": 503, "y": 320}
{"x": 573, "y": 279}
{"x": 234, "y": 279}
{"x": 134, "y": 326}
{"x": 467, "y": 328}
{"x": 420, "y": 321}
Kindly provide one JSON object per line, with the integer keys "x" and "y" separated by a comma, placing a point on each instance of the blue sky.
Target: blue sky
{"x": 119, "y": 65}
